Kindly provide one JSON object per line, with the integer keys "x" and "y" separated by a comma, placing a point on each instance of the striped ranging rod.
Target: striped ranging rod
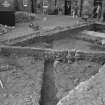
{"x": 1, "y": 84}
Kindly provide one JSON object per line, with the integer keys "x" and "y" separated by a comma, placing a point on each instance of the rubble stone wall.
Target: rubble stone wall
{"x": 46, "y": 54}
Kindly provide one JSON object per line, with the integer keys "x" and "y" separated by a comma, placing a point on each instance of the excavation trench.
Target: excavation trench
{"x": 66, "y": 73}
{"x": 48, "y": 92}
{"x": 67, "y": 76}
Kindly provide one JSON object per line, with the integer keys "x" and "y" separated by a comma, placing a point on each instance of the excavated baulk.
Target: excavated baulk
{"x": 90, "y": 92}
{"x": 40, "y": 53}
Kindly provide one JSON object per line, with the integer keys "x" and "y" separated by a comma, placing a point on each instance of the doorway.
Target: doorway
{"x": 32, "y": 6}
{"x": 67, "y": 7}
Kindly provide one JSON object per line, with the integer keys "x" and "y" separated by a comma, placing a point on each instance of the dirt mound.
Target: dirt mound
{"x": 90, "y": 92}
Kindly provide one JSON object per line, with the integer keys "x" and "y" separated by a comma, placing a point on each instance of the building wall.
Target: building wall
{"x": 61, "y": 4}
{"x": 84, "y": 6}
{"x": 21, "y": 6}
{"x": 88, "y": 6}
{"x": 54, "y": 4}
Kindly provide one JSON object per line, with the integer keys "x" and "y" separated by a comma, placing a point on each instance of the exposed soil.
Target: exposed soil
{"x": 57, "y": 82}
{"x": 70, "y": 43}
{"x": 67, "y": 76}
{"x": 21, "y": 77}
{"x": 81, "y": 43}
{"x": 90, "y": 92}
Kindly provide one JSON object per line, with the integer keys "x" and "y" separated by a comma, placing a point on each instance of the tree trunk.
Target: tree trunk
{"x": 103, "y": 8}
{"x": 81, "y": 7}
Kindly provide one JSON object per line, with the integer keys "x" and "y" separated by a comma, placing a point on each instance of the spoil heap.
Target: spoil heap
{"x": 90, "y": 92}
